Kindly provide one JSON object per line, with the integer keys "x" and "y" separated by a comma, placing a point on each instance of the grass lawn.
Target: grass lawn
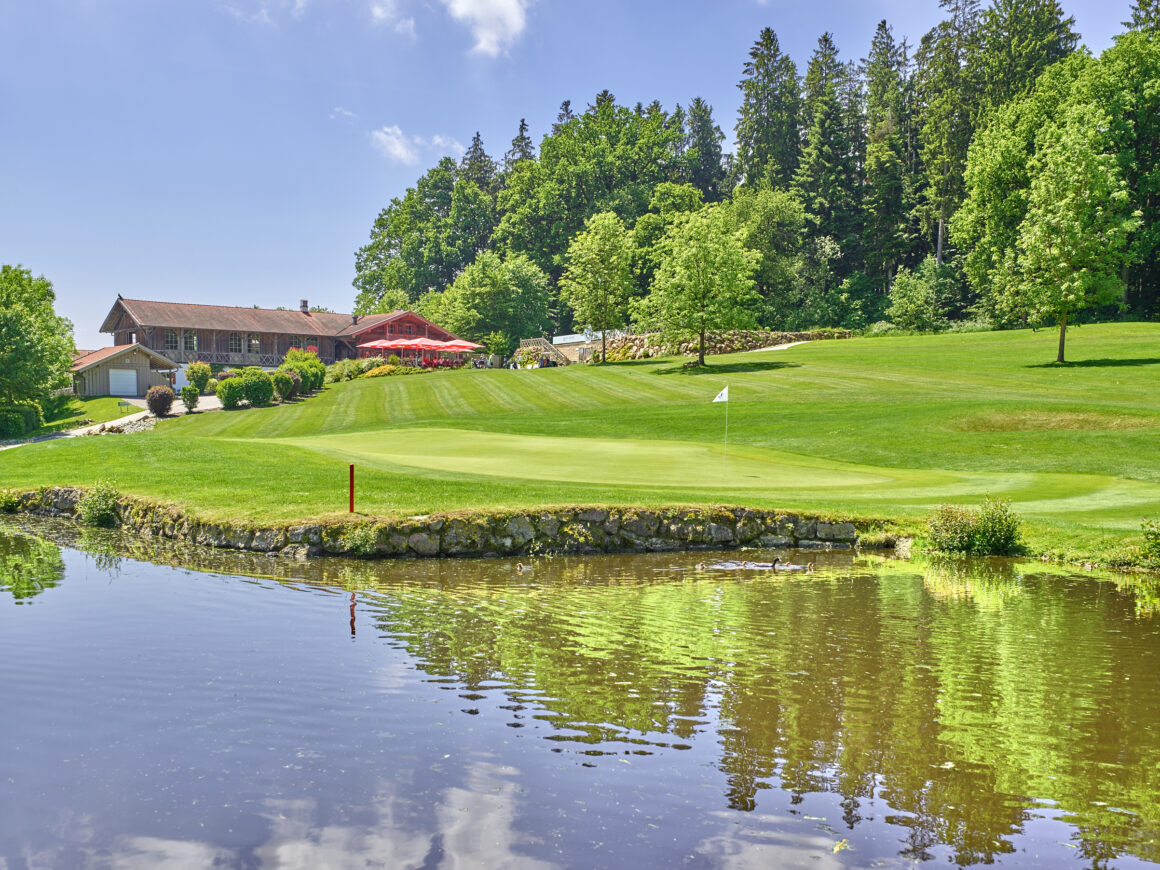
{"x": 867, "y": 428}
{"x": 78, "y": 412}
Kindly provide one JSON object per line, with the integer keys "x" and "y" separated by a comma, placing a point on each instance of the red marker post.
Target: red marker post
{"x": 352, "y": 488}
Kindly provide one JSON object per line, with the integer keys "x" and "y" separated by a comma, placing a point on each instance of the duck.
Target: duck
{"x": 521, "y": 567}
{"x": 701, "y": 566}
{"x": 779, "y": 565}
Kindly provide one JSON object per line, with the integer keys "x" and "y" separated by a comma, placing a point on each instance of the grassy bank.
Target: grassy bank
{"x": 883, "y": 428}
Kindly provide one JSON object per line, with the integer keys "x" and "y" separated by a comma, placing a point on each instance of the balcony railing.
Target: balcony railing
{"x": 266, "y": 360}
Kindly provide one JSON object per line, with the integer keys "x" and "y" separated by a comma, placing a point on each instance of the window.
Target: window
{"x": 190, "y": 340}
{"x": 255, "y": 343}
{"x": 298, "y": 341}
{"x": 235, "y": 343}
{"x": 410, "y": 331}
{"x": 171, "y": 339}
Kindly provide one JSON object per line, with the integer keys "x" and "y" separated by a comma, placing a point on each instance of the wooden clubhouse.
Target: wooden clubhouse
{"x": 218, "y": 334}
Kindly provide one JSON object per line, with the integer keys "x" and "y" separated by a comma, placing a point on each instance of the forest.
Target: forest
{"x": 994, "y": 174}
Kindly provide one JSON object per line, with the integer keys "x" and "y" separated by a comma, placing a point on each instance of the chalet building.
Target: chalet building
{"x": 218, "y": 334}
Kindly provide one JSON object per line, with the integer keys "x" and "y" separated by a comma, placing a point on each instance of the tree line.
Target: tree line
{"x": 994, "y": 171}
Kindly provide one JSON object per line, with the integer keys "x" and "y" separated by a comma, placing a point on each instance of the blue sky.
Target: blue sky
{"x": 237, "y": 151}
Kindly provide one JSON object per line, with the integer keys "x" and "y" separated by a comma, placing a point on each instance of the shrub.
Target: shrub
{"x": 1151, "y": 548}
{"x": 189, "y": 397}
{"x": 19, "y": 419}
{"x": 9, "y": 502}
{"x": 282, "y": 385}
{"x": 231, "y": 392}
{"x": 996, "y": 528}
{"x": 951, "y": 528}
{"x": 295, "y": 383}
{"x": 211, "y": 386}
{"x": 308, "y": 366}
{"x": 98, "y": 506}
{"x": 198, "y": 374}
{"x": 394, "y": 360}
{"x": 388, "y": 370}
{"x": 257, "y": 386}
{"x": 990, "y": 530}
{"x": 882, "y": 327}
{"x": 359, "y": 540}
{"x": 159, "y": 399}
{"x": 11, "y": 423}
{"x": 920, "y": 299}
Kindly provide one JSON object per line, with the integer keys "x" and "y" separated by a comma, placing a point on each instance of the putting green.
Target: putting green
{"x": 623, "y": 461}
{"x": 684, "y": 465}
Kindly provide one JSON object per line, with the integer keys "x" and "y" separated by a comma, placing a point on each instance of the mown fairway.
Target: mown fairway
{"x": 871, "y": 428}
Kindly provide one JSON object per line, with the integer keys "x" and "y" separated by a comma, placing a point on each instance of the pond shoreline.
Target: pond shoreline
{"x": 585, "y": 530}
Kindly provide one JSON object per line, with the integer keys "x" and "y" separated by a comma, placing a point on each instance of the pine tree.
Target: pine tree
{"x": 827, "y": 176}
{"x": 884, "y": 211}
{"x": 477, "y": 166}
{"x": 1018, "y": 40}
{"x": 768, "y": 143}
{"x": 703, "y": 151}
{"x": 1145, "y": 15}
{"x": 563, "y": 117}
{"x": 948, "y": 89}
{"x": 522, "y": 147}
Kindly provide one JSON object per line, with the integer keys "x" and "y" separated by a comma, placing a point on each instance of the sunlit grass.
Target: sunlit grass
{"x": 866, "y": 428}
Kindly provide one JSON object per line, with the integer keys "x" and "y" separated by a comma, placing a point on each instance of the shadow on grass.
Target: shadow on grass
{"x": 1098, "y": 363}
{"x": 727, "y": 368}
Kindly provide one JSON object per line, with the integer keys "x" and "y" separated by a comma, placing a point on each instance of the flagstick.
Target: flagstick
{"x": 726, "y": 474}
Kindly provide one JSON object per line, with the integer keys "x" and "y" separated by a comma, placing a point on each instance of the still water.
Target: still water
{"x": 233, "y": 711}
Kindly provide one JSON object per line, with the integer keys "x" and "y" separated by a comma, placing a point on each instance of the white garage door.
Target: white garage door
{"x": 123, "y": 382}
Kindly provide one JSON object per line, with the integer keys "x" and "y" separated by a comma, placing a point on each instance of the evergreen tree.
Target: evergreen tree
{"x": 948, "y": 90}
{"x": 824, "y": 71}
{"x": 1018, "y": 40}
{"x": 563, "y": 116}
{"x": 477, "y": 166}
{"x": 826, "y": 179}
{"x": 884, "y": 212}
{"x": 768, "y": 122}
{"x": 1145, "y": 15}
{"x": 522, "y": 148}
{"x": 703, "y": 151}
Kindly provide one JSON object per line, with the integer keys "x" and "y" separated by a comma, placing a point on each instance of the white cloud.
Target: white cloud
{"x": 406, "y": 27}
{"x": 495, "y": 24}
{"x": 340, "y": 112}
{"x": 397, "y": 146}
{"x": 452, "y": 147}
{"x": 394, "y": 145}
{"x": 386, "y": 12}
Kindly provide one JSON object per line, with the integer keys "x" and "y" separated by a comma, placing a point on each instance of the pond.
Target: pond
{"x": 167, "y": 707}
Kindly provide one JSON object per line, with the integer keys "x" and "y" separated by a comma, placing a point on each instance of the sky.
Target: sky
{"x": 237, "y": 152}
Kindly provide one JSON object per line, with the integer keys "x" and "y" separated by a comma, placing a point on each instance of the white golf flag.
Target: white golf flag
{"x": 723, "y": 396}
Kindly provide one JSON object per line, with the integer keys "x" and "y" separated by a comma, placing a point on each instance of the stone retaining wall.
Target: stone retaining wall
{"x": 734, "y": 341}
{"x": 566, "y": 530}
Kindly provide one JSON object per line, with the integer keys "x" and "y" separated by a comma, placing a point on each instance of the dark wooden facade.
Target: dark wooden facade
{"x": 228, "y": 336}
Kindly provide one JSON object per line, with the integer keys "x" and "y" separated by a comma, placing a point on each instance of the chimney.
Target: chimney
{"x": 354, "y": 318}
{"x": 305, "y": 306}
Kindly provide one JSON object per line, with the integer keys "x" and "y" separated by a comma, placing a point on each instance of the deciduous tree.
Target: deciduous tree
{"x": 598, "y": 276}
{"x": 36, "y": 344}
{"x": 704, "y": 281}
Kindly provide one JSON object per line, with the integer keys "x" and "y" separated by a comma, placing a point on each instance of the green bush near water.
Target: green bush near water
{"x": 98, "y": 506}
{"x": 992, "y": 529}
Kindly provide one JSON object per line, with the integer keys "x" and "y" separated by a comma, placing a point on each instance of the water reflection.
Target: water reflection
{"x": 872, "y": 710}
{"x": 28, "y": 566}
